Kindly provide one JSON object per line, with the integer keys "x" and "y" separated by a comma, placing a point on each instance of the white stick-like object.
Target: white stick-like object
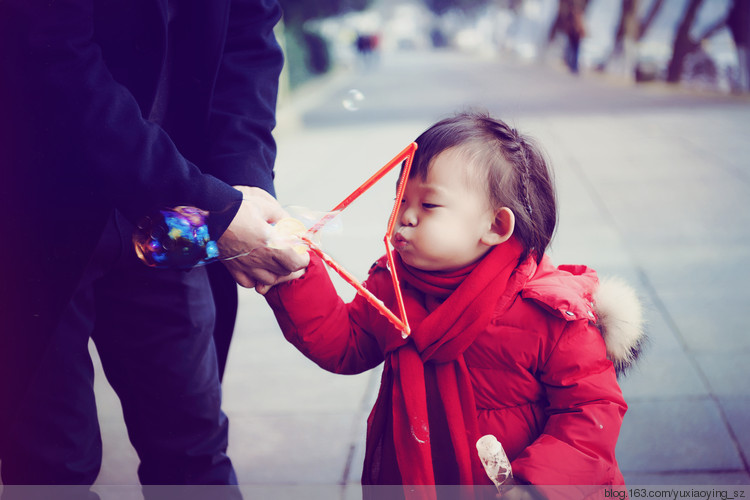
{"x": 494, "y": 459}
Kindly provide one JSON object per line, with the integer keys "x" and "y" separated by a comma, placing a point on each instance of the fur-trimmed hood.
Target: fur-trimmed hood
{"x": 575, "y": 292}
{"x": 620, "y": 319}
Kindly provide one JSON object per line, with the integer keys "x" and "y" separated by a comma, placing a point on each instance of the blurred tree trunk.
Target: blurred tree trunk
{"x": 684, "y": 44}
{"x": 648, "y": 19}
{"x": 440, "y": 7}
{"x": 738, "y": 21}
{"x": 626, "y": 33}
{"x": 630, "y": 29}
{"x": 628, "y": 16}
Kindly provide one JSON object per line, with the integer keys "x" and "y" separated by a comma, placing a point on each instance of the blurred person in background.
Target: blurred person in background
{"x": 570, "y": 21}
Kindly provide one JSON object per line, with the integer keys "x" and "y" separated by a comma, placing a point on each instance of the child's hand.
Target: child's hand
{"x": 283, "y": 239}
{"x": 263, "y": 289}
{"x": 247, "y": 237}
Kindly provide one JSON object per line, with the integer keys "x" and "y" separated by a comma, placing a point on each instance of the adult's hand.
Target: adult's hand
{"x": 248, "y": 233}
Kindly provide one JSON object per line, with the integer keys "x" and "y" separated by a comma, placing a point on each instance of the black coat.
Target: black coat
{"x": 78, "y": 79}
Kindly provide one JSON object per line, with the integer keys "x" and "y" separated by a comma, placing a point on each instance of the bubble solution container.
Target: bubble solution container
{"x": 175, "y": 238}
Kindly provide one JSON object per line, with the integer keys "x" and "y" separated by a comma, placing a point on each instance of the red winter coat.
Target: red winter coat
{"x": 542, "y": 382}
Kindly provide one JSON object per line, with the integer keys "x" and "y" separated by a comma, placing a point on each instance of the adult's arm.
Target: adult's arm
{"x": 75, "y": 108}
{"x": 242, "y": 150}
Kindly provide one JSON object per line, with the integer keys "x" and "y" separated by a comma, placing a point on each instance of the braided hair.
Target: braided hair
{"x": 511, "y": 165}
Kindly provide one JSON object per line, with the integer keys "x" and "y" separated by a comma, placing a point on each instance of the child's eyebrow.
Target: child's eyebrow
{"x": 429, "y": 189}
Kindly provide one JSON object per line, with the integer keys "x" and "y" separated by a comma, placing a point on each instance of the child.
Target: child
{"x": 502, "y": 342}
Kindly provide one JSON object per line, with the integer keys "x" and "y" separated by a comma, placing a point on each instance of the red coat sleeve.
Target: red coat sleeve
{"x": 585, "y": 412}
{"x": 330, "y": 332}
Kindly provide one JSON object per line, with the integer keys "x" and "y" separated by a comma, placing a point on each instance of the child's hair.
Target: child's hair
{"x": 517, "y": 175}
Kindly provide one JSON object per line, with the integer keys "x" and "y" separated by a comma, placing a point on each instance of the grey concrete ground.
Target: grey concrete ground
{"x": 653, "y": 186}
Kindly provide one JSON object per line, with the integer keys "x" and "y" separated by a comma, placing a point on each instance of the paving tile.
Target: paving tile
{"x": 291, "y": 449}
{"x": 662, "y": 337}
{"x": 119, "y": 459}
{"x": 710, "y": 322}
{"x": 356, "y": 466}
{"x": 593, "y": 246}
{"x": 679, "y": 434}
{"x": 703, "y": 290}
{"x": 727, "y": 373}
{"x": 306, "y": 389}
{"x": 354, "y": 474}
{"x": 666, "y": 375}
{"x": 737, "y": 411}
{"x": 710, "y": 264}
{"x": 290, "y": 382}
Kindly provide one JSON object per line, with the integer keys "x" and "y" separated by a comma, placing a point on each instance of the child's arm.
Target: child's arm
{"x": 316, "y": 321}
{"x": 585, "y": 411}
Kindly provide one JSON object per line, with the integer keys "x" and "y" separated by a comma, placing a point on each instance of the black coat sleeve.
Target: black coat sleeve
{"x": 241, "y": 147}
{"x": 88, "y": 131}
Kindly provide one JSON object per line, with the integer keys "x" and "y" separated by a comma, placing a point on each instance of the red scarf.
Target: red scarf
{"x": 446, "y": 311}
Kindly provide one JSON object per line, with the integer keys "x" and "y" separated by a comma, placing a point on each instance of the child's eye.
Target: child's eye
{"x": 429, "y": 206}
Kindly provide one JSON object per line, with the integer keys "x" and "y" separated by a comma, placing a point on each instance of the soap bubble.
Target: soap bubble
{"x": 175, "y": 238}
{"x": 303, "y": 222}
{"x": 310, "y": 218}
{"x": 286, "y": 233}
{"x": 353, "y": 100}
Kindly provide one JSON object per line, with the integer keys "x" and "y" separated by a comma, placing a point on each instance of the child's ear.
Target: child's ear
{"x": 502, "y": 228}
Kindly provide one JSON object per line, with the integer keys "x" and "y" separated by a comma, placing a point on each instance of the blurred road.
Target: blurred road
{"x": 652, "y": 182}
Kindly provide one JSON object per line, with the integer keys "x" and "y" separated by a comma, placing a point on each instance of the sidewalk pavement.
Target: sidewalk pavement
{"x": 655, "y": 194}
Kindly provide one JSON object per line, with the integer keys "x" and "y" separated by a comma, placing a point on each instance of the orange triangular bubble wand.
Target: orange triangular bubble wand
{"x": 178, "y": 238}
{"x": 407, "y": 157}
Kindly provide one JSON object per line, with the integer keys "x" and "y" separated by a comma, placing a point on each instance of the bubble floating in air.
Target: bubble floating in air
{"x": 310, "y": 218}
{"x": 353, "y": 99}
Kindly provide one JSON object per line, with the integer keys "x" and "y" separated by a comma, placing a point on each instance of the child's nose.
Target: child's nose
{"x": 408, "y": 216}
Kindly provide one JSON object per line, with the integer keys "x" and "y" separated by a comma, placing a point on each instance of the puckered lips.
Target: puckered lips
{"x": 399, "y": 241}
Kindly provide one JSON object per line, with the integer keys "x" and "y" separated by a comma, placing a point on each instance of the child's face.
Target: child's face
{"x": 445, "y": 221}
